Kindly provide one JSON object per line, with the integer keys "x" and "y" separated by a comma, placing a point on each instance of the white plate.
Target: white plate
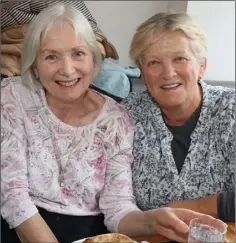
{"x": 79, "y": 241}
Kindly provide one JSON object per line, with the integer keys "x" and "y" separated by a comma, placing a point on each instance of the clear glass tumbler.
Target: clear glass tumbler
{"x": 207, "y": 230}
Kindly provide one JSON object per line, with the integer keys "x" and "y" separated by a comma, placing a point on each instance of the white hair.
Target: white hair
{"x": 37, "y": 30}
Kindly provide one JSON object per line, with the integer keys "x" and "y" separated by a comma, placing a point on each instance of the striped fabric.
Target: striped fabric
{"x": 22, "y": 12}
{"x": 15, "y": 13}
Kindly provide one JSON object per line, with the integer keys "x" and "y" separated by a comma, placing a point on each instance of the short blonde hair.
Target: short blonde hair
{"x": 164, "y": 22}
{"x": 38, "y": 29}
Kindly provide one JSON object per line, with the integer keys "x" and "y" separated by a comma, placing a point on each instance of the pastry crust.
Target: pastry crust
{"x": 112, "y": 238}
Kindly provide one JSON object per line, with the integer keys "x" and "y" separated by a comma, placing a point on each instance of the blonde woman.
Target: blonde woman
{"x": 184, "y": 141}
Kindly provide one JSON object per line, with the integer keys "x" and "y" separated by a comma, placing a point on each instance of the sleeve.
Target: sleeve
{"x": 226, "y": 206}
{"x": 229, "y": 144}
{"x": 116, "y": 199}
{"x": 16, "y": 204}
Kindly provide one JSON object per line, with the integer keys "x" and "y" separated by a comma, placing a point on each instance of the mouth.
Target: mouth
{"x": 172, "y": 86}
{"x": 68, "y": 83}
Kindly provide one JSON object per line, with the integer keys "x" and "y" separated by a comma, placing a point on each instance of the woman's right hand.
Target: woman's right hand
{"x": 172, "y": 223}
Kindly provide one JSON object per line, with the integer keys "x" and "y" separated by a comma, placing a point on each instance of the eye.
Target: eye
{"x": 180, "y": 59}
{"x": 51, "y": 58}
{"x": 79, "y": 54}
{"x": 153, "y": 62}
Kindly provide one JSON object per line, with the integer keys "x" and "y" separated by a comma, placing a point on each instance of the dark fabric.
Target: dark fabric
{"x": 65, "y": 227}
{"x": 117, "y": 99}
{"x": 181, "y": 138}
{"x": 226, "y": 206}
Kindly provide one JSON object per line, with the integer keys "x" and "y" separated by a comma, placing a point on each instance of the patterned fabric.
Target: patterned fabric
{"x": 38, "y": 151}
{"x": 209, "y": 166}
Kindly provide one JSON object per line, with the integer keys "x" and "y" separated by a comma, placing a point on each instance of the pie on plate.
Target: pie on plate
{"x": 105, "y": 238}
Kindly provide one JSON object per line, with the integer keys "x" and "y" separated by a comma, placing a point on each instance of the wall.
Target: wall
{"x": 177, "y": 6}
{"x": 218, "y": 21}
{"x": 119, "y": 19}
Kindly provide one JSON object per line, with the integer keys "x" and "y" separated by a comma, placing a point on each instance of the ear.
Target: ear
{"x": 203, "y": 67}
{"x": 36, "y": 73}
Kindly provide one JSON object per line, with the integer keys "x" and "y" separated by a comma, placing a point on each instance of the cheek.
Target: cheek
{"x": 88, "y": 67}
{"x": 47, "y": 72}
{"x": 150, "y": 78}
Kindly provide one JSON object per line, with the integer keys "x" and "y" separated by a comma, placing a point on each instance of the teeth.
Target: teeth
{"x": 170, "y": 86}
{"x": 68, "y": 83}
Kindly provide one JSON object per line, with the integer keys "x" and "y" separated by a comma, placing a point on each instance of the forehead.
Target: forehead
{"x": 168, "y": 43}
{"x": 61, "y": 36}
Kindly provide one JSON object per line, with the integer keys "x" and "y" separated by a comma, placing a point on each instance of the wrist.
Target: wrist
{"x": 151, "y": 221}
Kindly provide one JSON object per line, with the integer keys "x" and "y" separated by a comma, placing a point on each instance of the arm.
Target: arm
{"x": 35, "y": 229}
{"x": 206, "y": 205}
{"x": 17, "y": 208}
{"x": 220, "y": 205}
{"x": 226, "y": 206}
{"x": 169, "y": 222}
{"x": 117, "y": 200}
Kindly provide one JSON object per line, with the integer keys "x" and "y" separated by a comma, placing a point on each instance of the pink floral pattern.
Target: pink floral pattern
{"x": 92, "y": 162}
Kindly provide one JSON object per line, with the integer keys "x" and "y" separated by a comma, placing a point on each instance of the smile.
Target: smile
{"x": 170, "y": 86}
{"x": 68, "y": 83}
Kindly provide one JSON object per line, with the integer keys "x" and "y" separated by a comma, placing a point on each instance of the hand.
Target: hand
{"x": 173, "y": 223}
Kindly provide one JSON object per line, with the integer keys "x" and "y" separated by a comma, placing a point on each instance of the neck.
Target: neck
{"x": 177, "y": 116}
{"x": 66, "y": 111}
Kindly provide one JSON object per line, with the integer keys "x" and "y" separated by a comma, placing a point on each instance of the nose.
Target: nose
{"x": 168, "y": 71}
{"x": 67, "y": 67}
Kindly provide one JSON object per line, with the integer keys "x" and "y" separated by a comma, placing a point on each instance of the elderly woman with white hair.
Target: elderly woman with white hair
{"x": 66, "y": 150}
{"x": 184, "y": 141}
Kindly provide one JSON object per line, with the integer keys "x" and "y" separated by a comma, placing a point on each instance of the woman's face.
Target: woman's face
{"x": 171, "y": 70}
{"x": 64, "y": 64}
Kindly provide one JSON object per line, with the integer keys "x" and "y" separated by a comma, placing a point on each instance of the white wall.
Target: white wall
{"x": 218, "y": 21}
{"x": 118, "y": 20}
{"x": 177, "y": 6}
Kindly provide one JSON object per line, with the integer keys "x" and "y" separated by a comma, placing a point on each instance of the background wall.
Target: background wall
{"x": 119, "y": 19}
{"x": 218, "y": 20}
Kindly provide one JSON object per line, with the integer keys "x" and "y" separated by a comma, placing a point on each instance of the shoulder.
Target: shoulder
{"x": 134, "y": 99}
{"x": 13, "y": 87}
{"x": 116, "y": 117}
{"x": 15, "y": 93}
{"x": 116, "y": 109}
{"x": 140, "y": 105}
{"x": 221, "y": 100}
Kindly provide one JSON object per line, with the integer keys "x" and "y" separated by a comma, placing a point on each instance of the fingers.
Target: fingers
{"x": 172, "y": 235}
{"x": 178, "y": 225}
{"x": 187, "y": 215}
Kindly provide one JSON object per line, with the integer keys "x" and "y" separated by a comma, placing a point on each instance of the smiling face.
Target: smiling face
{"x": 171, "y": 71}
{"x": 64, "y": 65}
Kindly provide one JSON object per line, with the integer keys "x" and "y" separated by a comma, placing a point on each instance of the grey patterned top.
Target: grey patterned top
{"x": 210, "y": 163}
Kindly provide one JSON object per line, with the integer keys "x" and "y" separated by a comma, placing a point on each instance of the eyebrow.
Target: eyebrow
{"x": 58, "y": 51}
{"x": 156, "y": 56}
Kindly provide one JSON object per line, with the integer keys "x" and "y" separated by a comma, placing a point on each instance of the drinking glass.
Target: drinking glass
{"x": 207, "y": 230}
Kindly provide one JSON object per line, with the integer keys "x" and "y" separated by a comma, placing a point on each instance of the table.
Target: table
{"x": 158, "y": 238}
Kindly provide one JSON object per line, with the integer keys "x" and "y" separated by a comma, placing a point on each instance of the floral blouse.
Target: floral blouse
{"x": 70, "y": 170}
{"x": 209, "y": 166}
